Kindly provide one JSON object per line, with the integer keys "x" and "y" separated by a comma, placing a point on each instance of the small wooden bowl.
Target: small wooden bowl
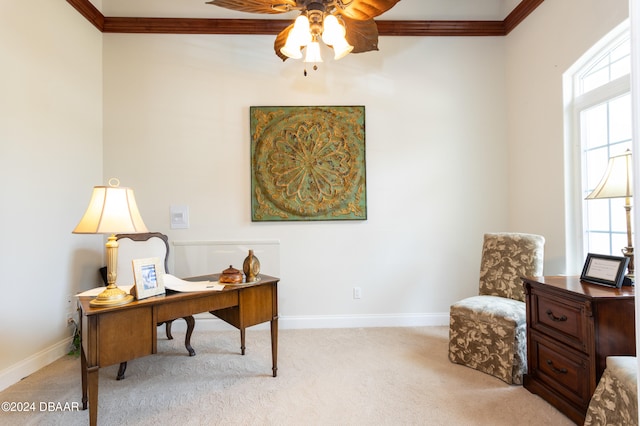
{"x": 231, "y": 276}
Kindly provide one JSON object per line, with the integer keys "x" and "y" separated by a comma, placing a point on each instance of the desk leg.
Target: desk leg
{"x": 121, "y": 370}
{"x": 83, "y": 374}
{"x": 242, "y": 337}
{"x": 274, "y": 346}
{"x": 191, "y": 323}
{"x": 92, "y": 381}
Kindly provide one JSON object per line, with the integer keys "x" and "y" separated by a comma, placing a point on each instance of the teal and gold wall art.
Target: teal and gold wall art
{"x": 308, "y": 163}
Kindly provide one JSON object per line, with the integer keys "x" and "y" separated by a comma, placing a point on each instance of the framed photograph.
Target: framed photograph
{"x": 148, "y": 275}
{"x": 604, "y": 270}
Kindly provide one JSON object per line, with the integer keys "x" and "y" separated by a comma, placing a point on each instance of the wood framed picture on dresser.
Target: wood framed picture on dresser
{"x": 604, "y": 269}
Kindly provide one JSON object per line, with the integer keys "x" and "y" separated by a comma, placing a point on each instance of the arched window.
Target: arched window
{"x": 598, "y": 121}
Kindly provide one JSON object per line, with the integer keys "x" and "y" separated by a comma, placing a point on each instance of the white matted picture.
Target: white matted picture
{"x": 148, "y": 275}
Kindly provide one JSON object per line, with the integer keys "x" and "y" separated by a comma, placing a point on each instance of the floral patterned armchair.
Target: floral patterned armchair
{"x": 488, "y": 332}
{"x": 615, "y": 401}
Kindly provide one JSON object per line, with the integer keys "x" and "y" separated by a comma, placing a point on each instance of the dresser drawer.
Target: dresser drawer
{"x": 560, "y": 368}
{"x": 562, "y": 318}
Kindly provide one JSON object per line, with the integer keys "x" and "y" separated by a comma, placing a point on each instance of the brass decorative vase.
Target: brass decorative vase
{"x": 251, "y": 267}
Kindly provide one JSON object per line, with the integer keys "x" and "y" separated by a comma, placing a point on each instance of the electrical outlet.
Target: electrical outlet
{"x": 70, "y": 318}
{"x": 357, "y": 293}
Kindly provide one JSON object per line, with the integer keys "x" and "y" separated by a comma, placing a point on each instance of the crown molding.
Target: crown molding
{"x": 274, "y": 26}
{"x": 89, "y": 11}
{"x": 520, "y": 12}
{"x": 440, "y": 28}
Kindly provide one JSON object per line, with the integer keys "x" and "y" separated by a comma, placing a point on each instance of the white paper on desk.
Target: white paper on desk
{"x": 96, "y": 291}
{"x": 176, "y": 284}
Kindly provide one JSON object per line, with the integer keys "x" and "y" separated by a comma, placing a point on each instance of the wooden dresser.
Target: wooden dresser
{"x": 572, "y": 326}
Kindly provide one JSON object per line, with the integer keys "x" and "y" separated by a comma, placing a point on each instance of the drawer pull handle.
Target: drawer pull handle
{"x": 555, "y": 318}
{"x": 557, "y": 370}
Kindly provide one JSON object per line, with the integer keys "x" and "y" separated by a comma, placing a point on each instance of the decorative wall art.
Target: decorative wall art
{"x": 308, "y": 163}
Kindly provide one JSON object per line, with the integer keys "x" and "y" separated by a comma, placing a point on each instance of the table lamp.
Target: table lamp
{"x": 112, "y": 210}
{"x": 617, "y": 182}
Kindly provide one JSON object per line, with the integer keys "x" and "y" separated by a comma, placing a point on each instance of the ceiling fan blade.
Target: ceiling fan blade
{"x": 281, "y": 39}
{"x": 362, "y": 35}
{"x": 256, "y": 6}
{"x": 365, "y": 9}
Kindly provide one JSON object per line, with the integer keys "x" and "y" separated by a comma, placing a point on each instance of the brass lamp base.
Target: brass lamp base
{"x": 111, "y": 296}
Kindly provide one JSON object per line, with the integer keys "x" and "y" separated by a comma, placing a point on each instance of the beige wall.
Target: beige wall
{"x": 177, "y": 130}
{"x": 51, "y": 138}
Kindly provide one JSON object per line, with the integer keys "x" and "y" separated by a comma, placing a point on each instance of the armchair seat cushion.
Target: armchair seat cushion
{"x": 500, "y": 311}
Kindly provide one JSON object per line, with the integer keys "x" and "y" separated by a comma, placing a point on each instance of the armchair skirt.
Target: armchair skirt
{"x": 489, "y": 334}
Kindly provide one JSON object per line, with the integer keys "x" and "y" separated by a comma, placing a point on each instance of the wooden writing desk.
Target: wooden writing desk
{"x": 112, "y": 335}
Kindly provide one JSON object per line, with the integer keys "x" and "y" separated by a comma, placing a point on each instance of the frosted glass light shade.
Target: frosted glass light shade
{"x": 300, "y": 34}
{"x": 313, "y": 52}
{"x": 291, "y": 49}
{"x": 341, "y": 48}
{"x": 332, "y": 30}
{"x": 298, "y": 37}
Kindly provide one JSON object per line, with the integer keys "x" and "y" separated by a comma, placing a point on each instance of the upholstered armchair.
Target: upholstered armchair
{"x": 615, "y": 401}
{"x": 488, "y": 332}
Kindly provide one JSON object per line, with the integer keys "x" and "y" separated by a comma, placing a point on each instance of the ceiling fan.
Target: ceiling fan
{"x": 345, "y": 25}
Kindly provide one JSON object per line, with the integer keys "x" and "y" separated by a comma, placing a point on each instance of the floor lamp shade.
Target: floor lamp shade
{"x": 112, "y": 210}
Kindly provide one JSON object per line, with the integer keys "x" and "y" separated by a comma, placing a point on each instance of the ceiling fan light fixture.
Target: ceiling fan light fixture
{"x": 355, "y": 17}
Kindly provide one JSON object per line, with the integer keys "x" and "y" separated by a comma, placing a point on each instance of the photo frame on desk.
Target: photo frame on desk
{"x": 148, "y": 275}
{"x": 604, "y": 269}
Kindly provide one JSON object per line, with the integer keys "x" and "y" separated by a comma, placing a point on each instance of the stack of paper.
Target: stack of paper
{"x": 176, "y": 284}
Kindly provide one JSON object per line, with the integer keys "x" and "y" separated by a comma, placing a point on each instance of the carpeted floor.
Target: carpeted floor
{"x": 365, "y": 376}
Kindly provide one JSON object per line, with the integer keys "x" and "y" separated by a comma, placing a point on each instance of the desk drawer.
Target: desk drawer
{"x": 561, "y": 318}
{"x": 564, "y": 370}
{"x": 185, "y": 307}
{"x": 118, "y": 341}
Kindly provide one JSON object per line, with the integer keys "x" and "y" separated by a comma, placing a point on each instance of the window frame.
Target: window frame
{"x": 574, "y": 103}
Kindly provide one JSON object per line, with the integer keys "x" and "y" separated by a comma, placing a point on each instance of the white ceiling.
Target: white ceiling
{"x": 405, "y": 10}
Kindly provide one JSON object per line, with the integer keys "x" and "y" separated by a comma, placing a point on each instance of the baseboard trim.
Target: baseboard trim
{"x": 357, "y": 321}
{"x": 210, "y": 323}
{"x": 15, "y": 373}
{"x": 207, "y": 322}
